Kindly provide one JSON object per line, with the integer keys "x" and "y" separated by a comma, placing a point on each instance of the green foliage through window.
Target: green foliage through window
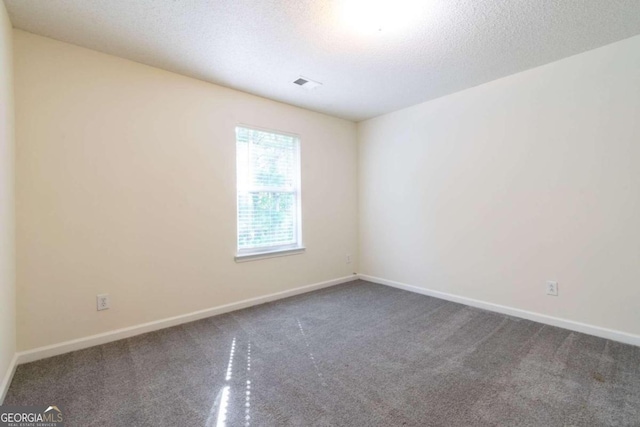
{"x": 268, "y": 193}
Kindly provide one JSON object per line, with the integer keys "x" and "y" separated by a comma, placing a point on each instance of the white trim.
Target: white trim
{"x": 6, "y": 380}
{"x": 268, "y": 254}
{"x": 585, "y": 328}
{"x": 118, "y": 334}
{"x": 296, "y": 191}
{"x": 268, "y": 130}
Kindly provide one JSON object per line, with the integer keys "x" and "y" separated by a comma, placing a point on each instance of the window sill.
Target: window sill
{"x": 269, "y": 254}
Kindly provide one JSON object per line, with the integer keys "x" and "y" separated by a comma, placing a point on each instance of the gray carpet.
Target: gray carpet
{"x": 357, "y": 354}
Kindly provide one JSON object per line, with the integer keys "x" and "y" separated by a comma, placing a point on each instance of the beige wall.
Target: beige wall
{"x": 126, "y": 185}
{"x": 7, "y": 246}
{"x": 489, "y": 192}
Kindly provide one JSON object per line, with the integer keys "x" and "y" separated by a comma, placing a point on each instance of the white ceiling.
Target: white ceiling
{"x": 261, "y": 46}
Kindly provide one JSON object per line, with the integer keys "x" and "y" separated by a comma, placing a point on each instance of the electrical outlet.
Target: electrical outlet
{"x": 552, "y": 288}
{"x": 348, "y": 258}
{"x": 103, "y": 301}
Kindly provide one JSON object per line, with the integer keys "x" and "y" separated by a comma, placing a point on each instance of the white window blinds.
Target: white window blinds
{"x": 268, "y": 179}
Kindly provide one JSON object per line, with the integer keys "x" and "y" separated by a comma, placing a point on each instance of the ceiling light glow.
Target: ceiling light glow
{"x": 370, "y": 16}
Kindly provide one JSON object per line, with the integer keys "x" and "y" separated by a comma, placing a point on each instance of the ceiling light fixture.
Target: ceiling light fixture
{"x": 370, "y": 16}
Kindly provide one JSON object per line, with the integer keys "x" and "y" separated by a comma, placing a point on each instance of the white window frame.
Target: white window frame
{"x": 252, "y": 254}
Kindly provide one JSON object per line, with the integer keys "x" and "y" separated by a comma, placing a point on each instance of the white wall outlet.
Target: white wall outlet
{"x": 348, "y": 259}
{"x": 103, "y": 302}
{"x": 552, "y": 288}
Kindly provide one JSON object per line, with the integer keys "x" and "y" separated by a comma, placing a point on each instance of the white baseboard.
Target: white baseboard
{"x": 8, "y": 376}
{"x": 597, "y": 331}
{"x": 118, "y": 334}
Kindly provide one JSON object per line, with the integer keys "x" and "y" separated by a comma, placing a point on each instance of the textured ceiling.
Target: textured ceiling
{"x": 261, "y": 46}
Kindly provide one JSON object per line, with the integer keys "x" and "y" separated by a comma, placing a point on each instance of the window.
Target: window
{"x": 268, "y": 180}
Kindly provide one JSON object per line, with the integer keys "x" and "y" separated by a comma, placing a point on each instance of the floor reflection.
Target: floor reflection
{"x": 230, "y": 365}
{"x": 221, "y": 420}
{"x": 219, "y": 414}
{"x": 310, "y": 353}
{"x": 247, "y": 408}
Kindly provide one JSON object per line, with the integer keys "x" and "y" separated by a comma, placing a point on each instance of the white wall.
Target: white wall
{"x": 126, "y": 185}
{"x": 489, "y": 192}
{"x": 7, "y": 245}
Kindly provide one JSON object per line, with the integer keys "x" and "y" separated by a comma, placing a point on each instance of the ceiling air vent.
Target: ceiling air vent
{"x": 306, "y": 83}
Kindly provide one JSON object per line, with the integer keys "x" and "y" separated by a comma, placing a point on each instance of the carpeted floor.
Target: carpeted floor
{"x": 357, "y": 354}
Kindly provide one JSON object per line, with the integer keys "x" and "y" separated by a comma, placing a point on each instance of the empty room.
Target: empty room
{"x": 253, "y": 213}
